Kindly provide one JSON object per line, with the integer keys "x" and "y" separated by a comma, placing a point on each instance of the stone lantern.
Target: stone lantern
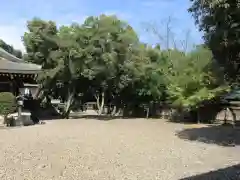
{"x": 20, "y": 100}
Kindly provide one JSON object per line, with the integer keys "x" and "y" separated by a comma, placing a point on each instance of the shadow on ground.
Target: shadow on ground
{"x": 50, "y": 118}
{"x": 99, "y": 117}
{"x": 220, "y": 135}
{"x": 229, "y": 173}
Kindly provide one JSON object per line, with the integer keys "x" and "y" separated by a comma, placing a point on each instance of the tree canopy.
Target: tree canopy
{"x": 103, "y": 60}
{"x": 219, "y": 20}
{"x": 37, "y": 42}
{"x": 191, "y": 78}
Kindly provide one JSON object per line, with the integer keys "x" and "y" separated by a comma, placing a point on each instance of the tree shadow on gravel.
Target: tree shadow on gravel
{"x": 100, "y": 117}
{"x": 229, "y": 173}
{"x": 220, "y": 135}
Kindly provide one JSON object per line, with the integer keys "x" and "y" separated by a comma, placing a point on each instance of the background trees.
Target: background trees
{"x": 37, "y": 42}
{"x": 7, "y": 105}
{"x": 103, "y": 60}
{"x": 219, "y": 20}
{"x": 10, "y": 49}
{"x": 109, "y": 48}
{"x": 191, "y": 79}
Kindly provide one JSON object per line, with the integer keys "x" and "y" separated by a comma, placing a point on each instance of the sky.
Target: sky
{"x": 141, "y": 14}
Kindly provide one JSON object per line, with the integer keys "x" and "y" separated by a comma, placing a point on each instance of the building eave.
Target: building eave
{"x": 20, "y": 71}
{"x": 12, "y": 64}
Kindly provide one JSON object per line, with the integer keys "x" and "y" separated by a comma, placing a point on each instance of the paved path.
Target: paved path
{"x": 101, "y": 150}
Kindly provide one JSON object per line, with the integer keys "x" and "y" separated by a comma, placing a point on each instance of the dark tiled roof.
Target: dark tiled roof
{"x": 12, "y": 64}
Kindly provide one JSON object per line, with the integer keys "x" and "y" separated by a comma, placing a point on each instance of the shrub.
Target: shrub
{"x": 7, "y": 103}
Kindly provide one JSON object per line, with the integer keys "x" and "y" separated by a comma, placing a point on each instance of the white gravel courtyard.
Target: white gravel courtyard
{"x": 87, "y": 149}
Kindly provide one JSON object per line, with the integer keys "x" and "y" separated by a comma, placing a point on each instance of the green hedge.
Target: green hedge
{"x": 7, "y": 103}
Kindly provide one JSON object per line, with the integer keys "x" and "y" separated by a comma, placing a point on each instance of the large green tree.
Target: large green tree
{"x": 65, "y": 80}
{"x": 38, "y": 42}
{"x": 219, "y": 20}
{"x": 149, "y": 79}
{"x": 103, "y": 59}
{"x": 192, "y": 78}
{"x": 99, "y": 53}
{"x": 108, "y": 51}
{"x": 39, "y": 46}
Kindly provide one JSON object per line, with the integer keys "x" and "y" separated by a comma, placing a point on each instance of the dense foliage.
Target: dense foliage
{"x": 193, "y": 78}
{"x": 219, "y": 20}
{"x": 7, "y": 103}
{"x": 103, "y": 60}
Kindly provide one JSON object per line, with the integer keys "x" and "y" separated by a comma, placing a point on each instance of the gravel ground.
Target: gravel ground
{"x": 98, "y": 150}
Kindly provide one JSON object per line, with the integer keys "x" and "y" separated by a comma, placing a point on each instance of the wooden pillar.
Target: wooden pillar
{"x": 12, "y": 87}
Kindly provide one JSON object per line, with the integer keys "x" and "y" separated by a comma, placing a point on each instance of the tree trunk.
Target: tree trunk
{"x": 5, "y": 120}
{"x": 68, "y": 104}
{"x": 114, "y": 110}
{"x": 118, "y": 112}
{"x": 147, "y": 114}
{"x": 100, "y": 102}
{"x": 231, "y": 111}
{"x": 198, "y": 117}
{"x": 38, "y": 94}
{"x": 225, "y": 116}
